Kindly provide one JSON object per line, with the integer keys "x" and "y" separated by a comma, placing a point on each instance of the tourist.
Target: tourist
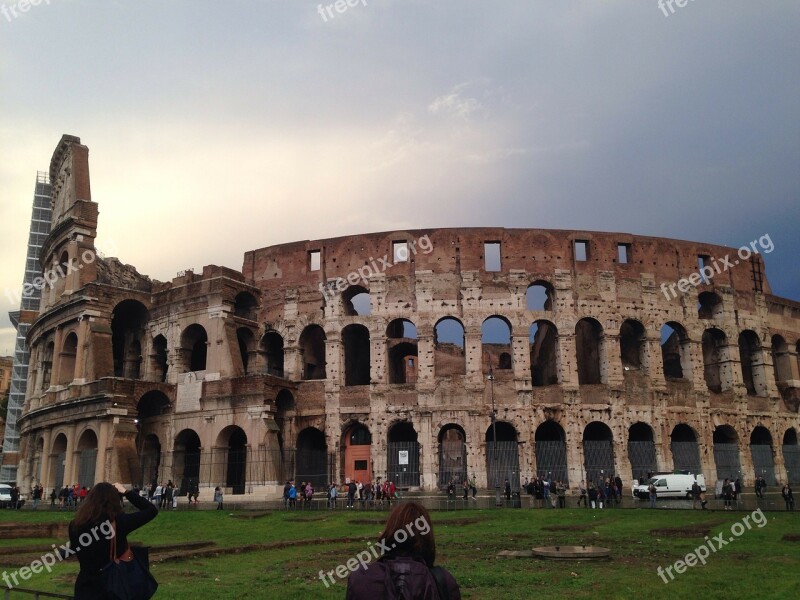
{"x": 36, "y": 494}
{"x": 407, "y": 570}
{"x": 473, "y": 484}
{"x": 727, "y": 494}
{"x": 332, "y": 494}
{"x": 592, "y": 495}
{"x": 451, "y": 491}
{"x": 292, "y": 495}
{"x": 618, "y": 486}
{"x": 351, "y": 493}
{"x": 561, "y": 492}
{"x": 53, "y": 498}
{"x": 466, "y": 489}
{"x": 103, "y": 505}
{"x": 286, "y": 487}
{"x": 788, "y": 496}
{"x": 217, "y": 497}
{"x": 156, "y": 498}
{"x": 653, "y": 494}
{"x": 507, "y": 486}
{"x": 309, "y": 494}
{"x": 582, "y": 495}
{"x": 696, "y": 495}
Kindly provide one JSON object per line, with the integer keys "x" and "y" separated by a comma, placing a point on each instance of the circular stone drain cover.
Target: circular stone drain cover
{"x": 572, "y": 552}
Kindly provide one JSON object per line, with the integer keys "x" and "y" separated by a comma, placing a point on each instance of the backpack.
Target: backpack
{"x": 400, "y": 585}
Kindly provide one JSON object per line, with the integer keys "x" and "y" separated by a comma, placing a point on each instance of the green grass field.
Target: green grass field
{"x": 760, "y": 563}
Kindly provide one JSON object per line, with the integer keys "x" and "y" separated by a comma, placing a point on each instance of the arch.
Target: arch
{"x": 152, "y": 404}
{"x": 36, "y": 472}
{"x": 452, "y": 455}
{"x": 632, "y": 338}
{"x": 540, "y": 295}
{"x": 356, "y": 348}
{"x": 449, "y": 355}
{"x": 245, "y": 306}
{"x": 402, "y": 350}
{"x": 158, "y": 359}
{"x": 543, "y": 344}
{"x": 726, "y": 452}
{"x": 709, "y": 306}
{"x": 312, "y": 457}
{"x": 230, "y": 463}
{"x": 685, "y": 449}
{"x": 69, "y": 353}
{"x": 751, "y": 358}
{"x": 47, "y": 365}
{"x": 357, "y": 453}
{"x": 272, "y": 348}
{"x": 186, "y": 461}
{"x": 247, "y": 348}
{"x": 87, "y": 458}
{"x": 676, "y": 354}
{"x": 496, "y": 342}
{"x": 589, "y": 347}
{"x": 149, "y": 460}
{"x": 791, "y": 455}
{"x": 716, "y": 367}
{"x": 781, "y": 359}
{"x": 551, "y": 452}
{"x": 194, "y": 346}
{"x": 312, "y": 346}
{"x": 761, "y": 453}
{"x": 58, "y": 462}
{"x": 284, "y": 401}
{"x": 128, "y": 322}
{"x": 502, "y": 456}
{"x": 598, "y": 451}
{"x": 402, "y": 465}
{"x": 356, "y": 301}
{"x": 641, "y": 450}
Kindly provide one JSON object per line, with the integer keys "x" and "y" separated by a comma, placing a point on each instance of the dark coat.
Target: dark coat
{"x": 370, "y": 582}
{"x": 95, "y": 556}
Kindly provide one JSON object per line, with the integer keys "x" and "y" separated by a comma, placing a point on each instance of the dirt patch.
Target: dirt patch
{"x": 791, "y": 537}
{"x": 682, "y": 532}
{"x": 253, "y": 515}
{"x": 15, "y": 531}
{"x": 304, "y": 519}
{"x": 567, "y": 527}
{"x": 457, "y": 522}
{"x": 367, "y": 522}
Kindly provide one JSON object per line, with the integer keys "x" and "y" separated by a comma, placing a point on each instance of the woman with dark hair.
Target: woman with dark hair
{"x": 407, "y": 568}
{"x": 91, "y": 531}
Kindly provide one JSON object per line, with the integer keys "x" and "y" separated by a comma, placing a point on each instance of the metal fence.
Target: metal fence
{"x": 763, "y": 463}
{"x": 598, "y": 457}
{"x": 642, "y": 456}
{"x": 551, "y": 459}
{"x": 502, "y": 465}
{"x": 726, "y": 457}
{"x": 403, "y": 464}
{"x": 452, "y": 462}
{"x": 791, "y": 458}
{"x": 686, "y": 457}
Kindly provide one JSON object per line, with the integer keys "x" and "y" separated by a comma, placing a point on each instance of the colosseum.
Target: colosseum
{"x": 418, "y": 356}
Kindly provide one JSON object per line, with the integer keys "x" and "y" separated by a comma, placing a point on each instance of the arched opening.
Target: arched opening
{"x": 186, "y": 462}
{"x": 66, "y": 368}
{"x": 312, "y": 458}
{"x": 598, "y": 451}
{"x": 356, "y": 301}
{"x": 87, "y": 458}
{"x": 642, "y": 450}
{"x": 403, "y": 455}
{"x": 64, "y": 264}
{"x": 127, "y": 332}
{"x": 401, "y": 344}
{"x": 502, "y": 456}
{"x": 312, "y": 345}
{"x": 781, "y": 359}
{"x": 149, "y": 460}
{"x": 245, "y": 306}
{"x": 284, "y": 403}
{"x": 752, "y": 361}
{"x": 496, "y": 344}
{"x": 761, "y": 452}
{"x": 589, "y": 346}
{"x": 58, "y": 461}
{"x": 540, "y": 295}
{"x": 551, "y": 452}
{"x": 543, "y": 343}
{"x": 358, "y": 453}
{"x": 158, "y": 359}
{"x": 452, "y": 456}
{"x": 449, "y": 356}
{"x": 194, "y": 346}
{"x": 36, "y": 472}
{"x": 685, "y": 450}
{"x": 791, "y": 455}
{"x": 726, "y": 452}
{"x": 675, "y": 352}
{"x": 150, "y": 405}
{"x": 230, "y": 460}
{"x": 247, "y": 348}
{"x": 709, "y": 306}
{"x": 47, "y": 365}
{"x": 632, "y": 338}
{"x": 356, "y": 347}
{"x": 272, "y": 347}
{"x": 716, "y": 367}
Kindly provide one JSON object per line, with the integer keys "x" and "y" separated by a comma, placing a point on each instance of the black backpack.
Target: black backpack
{"x": 399, "y": 585}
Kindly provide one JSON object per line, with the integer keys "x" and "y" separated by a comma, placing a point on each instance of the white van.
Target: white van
{"x": 670, "y": 485}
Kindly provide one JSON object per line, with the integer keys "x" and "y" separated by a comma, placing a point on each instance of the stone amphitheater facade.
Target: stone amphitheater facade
{"x": 418, "y": 356}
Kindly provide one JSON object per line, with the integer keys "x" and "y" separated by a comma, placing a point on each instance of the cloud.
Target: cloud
{"x": 453, "y": 103}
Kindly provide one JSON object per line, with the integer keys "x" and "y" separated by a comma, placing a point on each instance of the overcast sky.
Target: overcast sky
{"x": 219, "y": 127}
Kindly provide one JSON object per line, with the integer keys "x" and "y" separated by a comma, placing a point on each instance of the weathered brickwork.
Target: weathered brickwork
{"x": 383, "y": 355}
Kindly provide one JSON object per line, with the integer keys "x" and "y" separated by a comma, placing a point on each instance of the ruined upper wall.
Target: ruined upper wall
{"x": 532, "y": 251}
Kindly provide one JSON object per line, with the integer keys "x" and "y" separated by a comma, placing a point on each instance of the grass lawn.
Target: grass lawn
{"x": 760, "y": 563}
